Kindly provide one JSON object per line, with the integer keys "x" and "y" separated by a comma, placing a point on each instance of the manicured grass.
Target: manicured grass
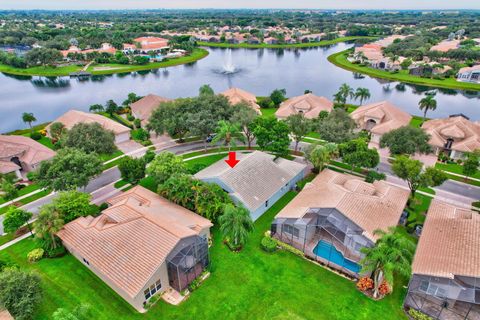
{"x": 416, "y": 121}
{"x": 149, "y": 183}
{"x": 6, "y": 238}
{"x": 455, "y": 168}
{"x": 251, "y": 284}
{"x": 427, "y": 190}
{"x": 120, "y": 184}
{"x": 340, "y": 60}
{"x": 268, "y": 112}
{"x": 213, "y": 150}
{"x": 106, "y": 157}
{"x": 280, "y": 46}
{"x": 417, "y": 213}
{"x": 197, "y": 54}
{"x": 27, "y": 200}
{"x": 21, "y": 132}
{"x": 22, "y": 192}
{"x": 205, "y": 161}
{"x": 463, "y": 180}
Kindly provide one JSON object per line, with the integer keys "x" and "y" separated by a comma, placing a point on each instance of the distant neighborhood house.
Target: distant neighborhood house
{"x": 257, "y": 181}
{"x": 308, "y": 104}
{"x": 336, "y": 215}
{"x": 143, "y": 108}
{"x": 469, "y": 74}
{"x": 141, "y": 245}
{"x": 237, "y": 95}
{"x": 20, "y": 155}
{"x": 72, "y": 117}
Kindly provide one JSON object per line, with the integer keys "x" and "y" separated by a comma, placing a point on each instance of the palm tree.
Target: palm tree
{"x": 48, "y": 223}
{"x": 96, "y": 108}
{"x": 228, "y": 132}
{"x": 362, "y": 94}
{"x": 320, "y": 155}
{"x": 235, "y": 224}
{"x": 392, "y": 254}
{"x": 427, "y": 103}
{"x": 347, "y": 91}
{"x": 28, "y": 118}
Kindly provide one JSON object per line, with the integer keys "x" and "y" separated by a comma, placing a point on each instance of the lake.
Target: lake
{"x": 257, "y": 70}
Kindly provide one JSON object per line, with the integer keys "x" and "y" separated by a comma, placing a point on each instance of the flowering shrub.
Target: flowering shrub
{"x": 364, "y": 284}
{"x": 35, "y": 255}
{"x": 384, "y": 288}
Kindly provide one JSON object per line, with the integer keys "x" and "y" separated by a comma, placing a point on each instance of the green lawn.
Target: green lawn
{"x": 416, "y": 121}
{"x": 24, "y": 201}
{"x": 268, "y": 112}
{"x": 280, "y": 46}
{"x": 340, "y": 59}
{"x": 197, "y": 54}
{"x": 247, "y": 285}
{"x": 417, "y": 214}
{"x": 106, "y": 157}
{"x": 455, "y": 168}
{"x": 206, "y": 161}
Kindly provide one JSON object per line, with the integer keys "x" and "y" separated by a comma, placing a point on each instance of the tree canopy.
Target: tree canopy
{"x": 337, "y": 127}
{"x": 406, "y": 140}
{"x": 90, "y": 137}
{"x": 299, "y": 127}
{"x": 132, "y": 170}
{"x": 165, "y": 165}
{"x": 69, "y": 169}
{"x": 15, "y": 218}
{"x": 72, "y": 204}
{"x": 272, "y": 135}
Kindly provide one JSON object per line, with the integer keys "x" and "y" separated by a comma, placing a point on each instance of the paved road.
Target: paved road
{"x": 102, "y": 187}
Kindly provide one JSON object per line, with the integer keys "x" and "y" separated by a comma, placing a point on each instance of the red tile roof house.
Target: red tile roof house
{"x": 308, "y": 104}
{"x": 72, "y": 117}
{"x": 21, "y": 154}
{"x": 445, "y": 281}
{"x": 379, "y": 118}
{"x": 469, "y": 74}
{"x": 454, "y": 136}
{"x": 237, "y": 95}
{"x": 146, "y": 44}
{"x": 143, "y": 108}
{"x": 141, "y": 245}
{"x": 335, "y": 216}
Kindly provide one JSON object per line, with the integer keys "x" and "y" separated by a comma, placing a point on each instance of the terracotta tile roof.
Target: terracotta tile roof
{"x": 388, "y": 117}
{"x": 446, "y": 45}
{"x": 450, "y": 242}
{"x": 308, "y": 104}
{"x": 255, "y": 178}
{"x": 26, "y": 149}
{"x": 152, "y": 43}
{"x": 144, "y": 107}
{"x": 72, "y": 117}
{"x": 371, "y": 206}
{"x": 465, "y": 133}
{"x": 129, "y": 241}
{"x": 236, "y": 95}
{"x": 470, "y": 69}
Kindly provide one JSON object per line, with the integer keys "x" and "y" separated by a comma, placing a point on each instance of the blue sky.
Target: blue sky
{"x": 320, "y": 4}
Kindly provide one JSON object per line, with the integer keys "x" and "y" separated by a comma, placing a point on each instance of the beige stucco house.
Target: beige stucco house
{"x": 454, "y": 136}
{"x": 336, "y": 215}
{"x": 445, "y": 281}
{"x": 21, "y": 154}
{"x": 143, "y": 108}
{"x": 141, "y": 245}
{"x": 236, "y": 96}
{"x": 308, "y": 104}
{"x": 379, "y": 118}
{"x": 72, "y": 117}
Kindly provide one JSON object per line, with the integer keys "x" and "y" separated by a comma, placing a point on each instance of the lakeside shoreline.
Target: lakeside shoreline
{"x": 339, "y": 59}
{"x": 282, "y": 46}
{"x": 196, "y": 55}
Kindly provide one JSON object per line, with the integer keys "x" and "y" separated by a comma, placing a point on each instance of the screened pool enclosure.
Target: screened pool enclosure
{"x": 187, "y": 261}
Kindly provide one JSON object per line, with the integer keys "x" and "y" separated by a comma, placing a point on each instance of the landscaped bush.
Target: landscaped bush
{"x": 373, "y": 175}
{"x": 130, "y": 117}
{"x": 36, "y": 135}
{"x": 196, "y": 168}
{"x": 268, "y": 244}
{"x": 103, "y": 206}
{"x": 417, "y": 315}
{"x": 137, "y": 123}
{"x": 60, "y": 251}
{"x": 194, "y": 284}
{"x": 149, "y": 156}
{"x": 288, "y": 247}
{"x": 35, "y": 255}
{"x": 364, "y": 284}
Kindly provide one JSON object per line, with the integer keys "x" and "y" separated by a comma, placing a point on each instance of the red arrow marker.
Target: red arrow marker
{"x": 232, "y": 159}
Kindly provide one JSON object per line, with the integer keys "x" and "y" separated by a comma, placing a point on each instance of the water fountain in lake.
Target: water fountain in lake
{"x": 228, "y": 66}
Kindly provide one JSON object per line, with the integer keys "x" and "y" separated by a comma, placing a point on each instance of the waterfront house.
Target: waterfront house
{"x": 72, "y": 117}
{"x": 454, "y": 136}
{"x": 336, "y": 215}
{"x": 253, "y": 40}
{"x": 379, "y": 118}
{"x": 105, "y": 48}
{"x": 141, "y": 245}
{"x": 257, "y": 181}
{"x": 308, "y": 104}
{"x": 20, "y": 155}
{"x": 270, "y": 40}
{"x": 446, "y": 45}
{"x": 469, "y": 74}
{"x": 143, "y": 108}
{"x": 445, "y": 281}
{"x": 146, "y": 44}
{"x": 236, "y": 96}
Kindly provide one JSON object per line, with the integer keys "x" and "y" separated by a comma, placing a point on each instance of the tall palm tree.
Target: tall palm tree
{"x": 28, "y": 117}
{"x": 48, "y": 223}
{"x": 229, "y": 133}
{"x": 427, "y": 103}
{"x": 392, "y": 254}
{"x": 235, "y": 224}
{"x": 320, "y": 155}
{"x": 347, "y": 91}
{"x": 362, "y": 94}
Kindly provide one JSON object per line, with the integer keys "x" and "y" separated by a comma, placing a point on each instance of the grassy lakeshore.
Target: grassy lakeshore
{"x": 340, "y": 60}
{"x": 280, "y": 46}
{"x": 102, "y": 69}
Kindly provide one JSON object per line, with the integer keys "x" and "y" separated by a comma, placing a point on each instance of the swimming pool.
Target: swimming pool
{"x": 327, "y": 251}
